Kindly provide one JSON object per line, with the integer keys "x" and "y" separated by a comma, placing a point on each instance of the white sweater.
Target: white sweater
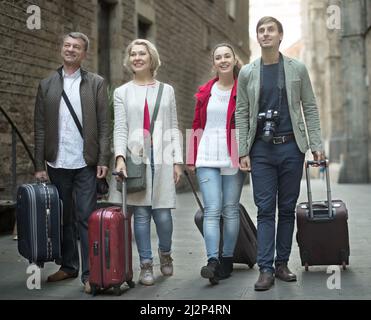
{"x": 213, "y": 150}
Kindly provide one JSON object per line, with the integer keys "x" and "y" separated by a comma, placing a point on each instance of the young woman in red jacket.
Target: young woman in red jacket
{"x": 213, "y": 155}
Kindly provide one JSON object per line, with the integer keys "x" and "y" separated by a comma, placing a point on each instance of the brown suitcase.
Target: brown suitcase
{"x": 322, "y": 230}
{"x": 246, "y": 246}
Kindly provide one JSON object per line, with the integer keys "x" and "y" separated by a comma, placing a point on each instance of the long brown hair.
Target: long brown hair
{"x": 237, "y": 66}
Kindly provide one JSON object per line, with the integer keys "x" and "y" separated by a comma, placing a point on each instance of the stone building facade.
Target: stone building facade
{"x": 184, "y": 32}
{"x": 337, "y": 50}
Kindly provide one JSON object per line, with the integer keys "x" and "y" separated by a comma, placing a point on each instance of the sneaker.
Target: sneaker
{"x": 166, "y": 262}
{"x": 146, "y": 274}
{"x": 87, "y": 287}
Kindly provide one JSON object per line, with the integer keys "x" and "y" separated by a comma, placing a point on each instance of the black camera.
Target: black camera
{"x": 269, "y": 121}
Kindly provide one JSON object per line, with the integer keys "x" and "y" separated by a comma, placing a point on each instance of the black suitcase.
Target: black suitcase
{"x": 246, "y": 247}
{"x": 39, "y": 223}
{"x": 322, "y": 230}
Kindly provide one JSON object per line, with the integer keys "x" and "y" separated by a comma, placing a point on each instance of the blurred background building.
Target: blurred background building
{"x": 337, "y": 51}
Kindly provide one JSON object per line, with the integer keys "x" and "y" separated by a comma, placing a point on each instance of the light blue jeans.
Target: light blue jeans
{"x": 221, "y": 196}
{"x": 142, "y": 230}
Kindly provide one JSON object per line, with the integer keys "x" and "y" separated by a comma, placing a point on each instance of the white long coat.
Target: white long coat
{"x": 129, "y": 100}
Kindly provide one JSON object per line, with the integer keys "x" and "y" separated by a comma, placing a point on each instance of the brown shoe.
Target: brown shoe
{"x": 87, "y": 287}
{"x": 265, "y": 281}
{"x": 283, "y": 273}
{"x": 61, "y": 275}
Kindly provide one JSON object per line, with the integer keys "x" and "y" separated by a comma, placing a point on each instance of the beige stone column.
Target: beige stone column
{"x": 355, "y": 99}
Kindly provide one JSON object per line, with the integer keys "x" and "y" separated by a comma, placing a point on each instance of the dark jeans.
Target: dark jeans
{"x": 276, "y": 172}
{"x": 77, "y": 190}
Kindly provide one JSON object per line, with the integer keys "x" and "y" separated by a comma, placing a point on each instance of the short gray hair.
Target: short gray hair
{"x": 78, "y": 35}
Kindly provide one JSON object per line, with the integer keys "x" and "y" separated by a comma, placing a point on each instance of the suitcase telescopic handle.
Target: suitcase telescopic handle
{"x": 123, "y": 193}
{"x": 194, "y": 190}
{"x": 325, "y": 165}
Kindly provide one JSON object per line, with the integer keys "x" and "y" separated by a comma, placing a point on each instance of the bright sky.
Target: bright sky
{"x": 286, "y": 11}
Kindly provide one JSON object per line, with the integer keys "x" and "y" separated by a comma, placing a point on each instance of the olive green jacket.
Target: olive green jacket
{"x": 95, "y": 119}
{"x": 301, "y": 101}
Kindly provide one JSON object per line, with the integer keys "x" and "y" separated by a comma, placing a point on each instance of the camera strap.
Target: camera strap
{"x": 280, "y": 81}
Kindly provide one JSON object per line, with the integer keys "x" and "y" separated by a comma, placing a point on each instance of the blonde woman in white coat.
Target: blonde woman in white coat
{"x": 134, "y": 103}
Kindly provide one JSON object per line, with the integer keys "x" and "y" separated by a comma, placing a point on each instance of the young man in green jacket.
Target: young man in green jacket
{"x": 274, "y": 92}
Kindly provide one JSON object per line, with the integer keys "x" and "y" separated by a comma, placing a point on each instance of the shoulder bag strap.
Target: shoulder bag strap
{"x": 73, "y": 114}
{"x": 157, "y": 106}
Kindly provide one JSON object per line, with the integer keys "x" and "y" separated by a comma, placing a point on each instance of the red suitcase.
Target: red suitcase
{"x": 110, "y": 251}
{"x": 322, "y": 230}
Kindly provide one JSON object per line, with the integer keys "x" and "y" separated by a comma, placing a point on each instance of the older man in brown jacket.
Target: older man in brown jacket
{"x": 73, "y": 160}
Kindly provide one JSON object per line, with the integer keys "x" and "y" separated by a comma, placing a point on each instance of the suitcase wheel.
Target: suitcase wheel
{"x": 117, "y": 291}
{"x": 306, "y": 266}
{"x": 344, "y": 265}
{"x": 131, "y": 283}
{"x": 213, "y": 281}
{"x": 251, "y": 265}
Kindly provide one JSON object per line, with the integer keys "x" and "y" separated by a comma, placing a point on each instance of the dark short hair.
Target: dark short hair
{"x": 268, "y": 19}
{"x": 78, "y": 35}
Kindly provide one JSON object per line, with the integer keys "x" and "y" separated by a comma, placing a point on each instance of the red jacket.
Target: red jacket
{"x": 199, "y": 122}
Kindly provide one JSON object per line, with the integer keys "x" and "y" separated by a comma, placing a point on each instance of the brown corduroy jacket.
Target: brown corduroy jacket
{"x": 95, "y": 119}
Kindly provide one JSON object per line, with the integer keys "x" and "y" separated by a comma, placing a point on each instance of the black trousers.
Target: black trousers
{"x": 77, "y": 190}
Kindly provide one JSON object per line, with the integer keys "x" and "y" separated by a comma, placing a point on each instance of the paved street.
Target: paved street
{"x": 189, "y": 256}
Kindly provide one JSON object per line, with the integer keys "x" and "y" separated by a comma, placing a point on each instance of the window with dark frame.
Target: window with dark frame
{"x": 144, "y": 28}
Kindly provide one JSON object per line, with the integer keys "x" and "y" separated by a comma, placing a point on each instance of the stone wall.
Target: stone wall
{"x": 184, "y": 32}
{"x": 27, "y": 56}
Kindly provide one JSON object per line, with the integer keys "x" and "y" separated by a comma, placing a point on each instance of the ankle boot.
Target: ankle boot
{"x": 226, "y": 267}
{"x": 166, "y": 263}
{"x": 211, "y": 270}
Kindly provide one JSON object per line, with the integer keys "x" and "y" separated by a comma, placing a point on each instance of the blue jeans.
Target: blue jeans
{"x": 221, "y": 196}
{"x": 142, "y": 230}
{"x": 276, "y": 171}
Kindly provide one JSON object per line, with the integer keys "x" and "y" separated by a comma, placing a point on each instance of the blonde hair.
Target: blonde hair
{"x": 153, "y": 53}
